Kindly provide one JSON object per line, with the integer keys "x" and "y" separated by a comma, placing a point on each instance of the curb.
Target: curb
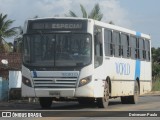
{"x": 153, "y": 93}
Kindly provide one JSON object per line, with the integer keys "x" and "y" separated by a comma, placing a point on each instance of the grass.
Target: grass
{"x": 156, "y": 85}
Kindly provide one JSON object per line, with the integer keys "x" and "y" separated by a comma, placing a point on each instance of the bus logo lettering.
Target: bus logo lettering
{"x": 122, "y": 68}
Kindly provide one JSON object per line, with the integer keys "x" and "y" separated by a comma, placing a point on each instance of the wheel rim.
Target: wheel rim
{"x": 106, "y": 93}
{"x": 136, "y": 92}
{"x": 103, "y": 101}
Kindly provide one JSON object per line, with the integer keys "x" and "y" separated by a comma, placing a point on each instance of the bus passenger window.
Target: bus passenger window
{"x": 141, "y": 49}
{"x": 147, "y": 48}
{"x": 98, "y": 48}
{"x": 109, "y": 47}
{"x": 137, "y": 48}
{"x": 144, "y": 51}
{"x": 117, "y": 44}
{"x": 128, "y": 47}
{"x": 133, "y": 47}
{"x": 125, "y": 45}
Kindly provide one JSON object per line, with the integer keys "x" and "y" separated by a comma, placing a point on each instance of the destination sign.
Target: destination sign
{"x": 67, "y": 26}
{"x": 58, "y": 25}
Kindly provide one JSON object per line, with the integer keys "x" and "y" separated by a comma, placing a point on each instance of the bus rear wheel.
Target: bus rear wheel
{"x": 131, "y": 99}
{"x": 134, "y": 98}
{"x": 103, "y": 102}
{"x": 45, "y": 102}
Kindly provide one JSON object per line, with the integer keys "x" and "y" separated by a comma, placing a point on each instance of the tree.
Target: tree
{"x": 5, "y": 31}
{"x": 94, "y": 14}
{"x": 155, "y": 54}
{"x": 156, "y": 63}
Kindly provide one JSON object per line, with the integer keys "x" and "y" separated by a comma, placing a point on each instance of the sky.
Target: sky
{"x": 139, "y": 15}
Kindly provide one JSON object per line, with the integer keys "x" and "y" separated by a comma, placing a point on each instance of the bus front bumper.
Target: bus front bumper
{"x": 54, "y": 93}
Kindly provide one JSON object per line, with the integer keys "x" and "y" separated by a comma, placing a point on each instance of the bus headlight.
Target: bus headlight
{"x": 85, "y": 81}
{"x": 26, "y": 81}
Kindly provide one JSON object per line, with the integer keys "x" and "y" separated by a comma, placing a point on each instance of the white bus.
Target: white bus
{"x": 84, "y": 59}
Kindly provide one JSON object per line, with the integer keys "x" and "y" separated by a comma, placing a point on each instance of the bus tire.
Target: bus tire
{"x": 103, "y": 102}
{"x": 131, "y": 99}
{"x": 134, "y": 98}
{"x": 45, "y": 102}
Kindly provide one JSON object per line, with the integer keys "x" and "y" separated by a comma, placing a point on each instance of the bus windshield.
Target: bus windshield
{"x": 57, "y": 50}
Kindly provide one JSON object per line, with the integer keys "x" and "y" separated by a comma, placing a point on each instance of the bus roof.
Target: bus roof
{"x": 73, "y": 18}
{"x": 102, "y": 24}
{"x": 121, "y": 29}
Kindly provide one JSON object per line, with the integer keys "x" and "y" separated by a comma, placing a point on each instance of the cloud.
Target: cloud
{"x": 20, "y": 10}
{"x": 114, "y": 12}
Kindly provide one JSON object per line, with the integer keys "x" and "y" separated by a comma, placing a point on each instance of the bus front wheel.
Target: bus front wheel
{"x": 103, "y": 102}
{"x": 45, "y": 102}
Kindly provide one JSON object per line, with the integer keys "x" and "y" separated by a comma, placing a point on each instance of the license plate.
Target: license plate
{"x": 54, "y": 93}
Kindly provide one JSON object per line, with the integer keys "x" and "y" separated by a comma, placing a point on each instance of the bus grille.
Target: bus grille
{"x": 55, "y": 82}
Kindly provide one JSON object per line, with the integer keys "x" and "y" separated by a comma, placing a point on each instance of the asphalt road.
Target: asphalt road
{"x": 147, "y": 104}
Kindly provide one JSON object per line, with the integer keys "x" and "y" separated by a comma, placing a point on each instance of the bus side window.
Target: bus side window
{"x": 112, "y": 45}
{"x": 144, "y": 51}
{"x": 125, "y": 45}
{"x": 137, "y": 48}
{"x": 98, "y": 48}
{"x": 128, "y": 47}
{"x": 117, "y": 44}
{"x": 108, "y": 42}
{"x": 147, "y": 48}
{"x": 133, "y": 47}
{"x": 141, "y": 49}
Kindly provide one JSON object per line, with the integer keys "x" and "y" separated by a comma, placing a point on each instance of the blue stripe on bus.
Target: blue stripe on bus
{"x": 34, "y": 74}
{"x": 138, "y": 34}
{"x": 137, "y": 69}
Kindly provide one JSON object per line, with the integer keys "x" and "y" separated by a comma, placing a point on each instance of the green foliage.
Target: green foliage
{"x": 156, "y": 85}
{"x": 155, "y": 63}
{"x": 95, "y": 13}
{"x": 155, "y": 54}
{"x": 155, "y": 69}
{"x": 18, "y": 44}
{"x": 83, "y": 11}
{"x": 5, "y": 31}
{"x": 5, "y": 27}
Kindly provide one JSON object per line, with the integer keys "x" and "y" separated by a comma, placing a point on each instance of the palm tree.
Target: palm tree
{"x": 94, "y": 14}
{"x": 5, "y": 31}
